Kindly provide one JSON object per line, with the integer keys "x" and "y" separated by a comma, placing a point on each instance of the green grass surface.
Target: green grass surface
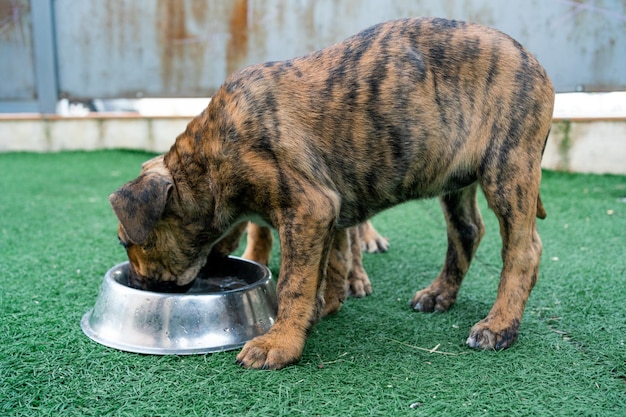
{"x": 58, "y": 238}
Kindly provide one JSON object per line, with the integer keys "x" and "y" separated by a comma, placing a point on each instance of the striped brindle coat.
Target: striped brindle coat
{"x": 407, "y": 109}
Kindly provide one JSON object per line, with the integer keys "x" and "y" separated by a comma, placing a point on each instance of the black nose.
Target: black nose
{"x": 149, "y": 284}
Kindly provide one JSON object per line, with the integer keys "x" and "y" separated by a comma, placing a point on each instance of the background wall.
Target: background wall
{"x": 80, "y": 50}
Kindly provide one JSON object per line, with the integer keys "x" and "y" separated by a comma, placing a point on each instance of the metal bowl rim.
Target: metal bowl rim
{"x": 267, "y": 276}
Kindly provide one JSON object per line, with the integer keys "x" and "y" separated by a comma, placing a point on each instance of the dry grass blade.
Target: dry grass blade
{"x": 432, "y": 350}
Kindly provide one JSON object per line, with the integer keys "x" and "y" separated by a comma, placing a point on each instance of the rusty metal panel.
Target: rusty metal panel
{"x": 133, "y": 48}
{"x": 186, "y": 48}
{"x": 582, "y": 43}
{"x": 17, "y": 73}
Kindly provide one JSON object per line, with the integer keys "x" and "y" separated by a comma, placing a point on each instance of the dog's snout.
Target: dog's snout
{"x": 136, "y": 280}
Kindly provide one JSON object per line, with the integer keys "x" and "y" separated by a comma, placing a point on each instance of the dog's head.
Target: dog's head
{"x": 167, "y": 243}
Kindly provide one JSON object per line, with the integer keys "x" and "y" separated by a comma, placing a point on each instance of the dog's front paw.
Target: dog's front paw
{"x": 489, "y": 334}
{"x": 434, "y": 298}
{"x": 273, "y": 350}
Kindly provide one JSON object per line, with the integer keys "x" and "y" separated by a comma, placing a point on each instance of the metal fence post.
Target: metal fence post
{"x": 44, "y": 47}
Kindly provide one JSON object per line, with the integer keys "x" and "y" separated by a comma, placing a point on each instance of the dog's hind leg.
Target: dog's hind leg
{"x": 514, "y": 199}
{"x": 465, "y": 230}
{"x": 334, "y": 287}
{"x": 258, "y": 243}
{"x": 359, "y": 284}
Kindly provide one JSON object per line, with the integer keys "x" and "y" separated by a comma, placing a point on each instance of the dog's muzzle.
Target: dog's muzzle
{"x": 148, "y": 284}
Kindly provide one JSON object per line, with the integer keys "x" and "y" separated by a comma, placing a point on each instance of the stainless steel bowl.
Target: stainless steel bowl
{"x": 236, "y": 303}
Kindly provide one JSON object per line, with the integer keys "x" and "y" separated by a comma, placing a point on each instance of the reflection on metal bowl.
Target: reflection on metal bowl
{"x": 236, "y": 303}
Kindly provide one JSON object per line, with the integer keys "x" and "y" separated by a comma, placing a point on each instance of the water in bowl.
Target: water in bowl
{"x": 209, "y": 280}
{"x": 217, "y": 284}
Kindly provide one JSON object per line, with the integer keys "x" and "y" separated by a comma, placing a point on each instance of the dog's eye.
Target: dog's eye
{"x": 122, "y": 242}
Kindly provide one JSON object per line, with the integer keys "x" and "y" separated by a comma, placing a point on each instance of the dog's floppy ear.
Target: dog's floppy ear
{"x": 139, "y": 204}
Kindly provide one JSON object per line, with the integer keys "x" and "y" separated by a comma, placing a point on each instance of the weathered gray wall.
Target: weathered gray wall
{"x": 185, "y": 48}
{"x": 17, "y": 72}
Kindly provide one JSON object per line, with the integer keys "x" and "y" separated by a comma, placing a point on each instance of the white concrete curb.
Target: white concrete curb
{"x": 592, "y": 145}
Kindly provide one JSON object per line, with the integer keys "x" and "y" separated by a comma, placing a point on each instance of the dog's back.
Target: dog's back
{"x": 405, "y": 109}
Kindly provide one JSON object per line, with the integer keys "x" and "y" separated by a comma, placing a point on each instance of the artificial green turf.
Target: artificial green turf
{"x": 58, "y": 238}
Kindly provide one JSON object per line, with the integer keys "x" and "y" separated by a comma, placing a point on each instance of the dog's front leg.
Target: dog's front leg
{"x": 230, "y": 242}
{"x": 305, "y": 247}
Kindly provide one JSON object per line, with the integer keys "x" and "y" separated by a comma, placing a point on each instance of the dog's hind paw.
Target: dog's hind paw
{"x": 482, "y": 336}
{"x": 370, "y": 240}
{"x": 433, "y": 298}
{"x": 359, "y": 284}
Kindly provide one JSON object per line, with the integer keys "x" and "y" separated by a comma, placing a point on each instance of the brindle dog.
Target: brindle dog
{"x": 312, "y": 146}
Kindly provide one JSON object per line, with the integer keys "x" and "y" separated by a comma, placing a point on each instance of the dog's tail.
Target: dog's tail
{"x": 541, "y": 212}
